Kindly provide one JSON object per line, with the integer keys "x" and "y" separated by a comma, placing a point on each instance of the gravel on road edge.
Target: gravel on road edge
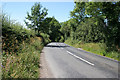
{"x": 45, "y": 71}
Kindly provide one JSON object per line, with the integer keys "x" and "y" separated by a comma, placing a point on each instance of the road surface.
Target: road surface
{"x": 65, "y": 61}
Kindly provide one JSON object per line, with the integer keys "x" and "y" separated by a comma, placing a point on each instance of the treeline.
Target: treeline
{"x": 94, "y": 22}
{"x": 90, "y": 22}
{"x": 42, "y": 25}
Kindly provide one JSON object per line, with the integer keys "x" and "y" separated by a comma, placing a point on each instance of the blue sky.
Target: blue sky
{"x": 17, "y": 10}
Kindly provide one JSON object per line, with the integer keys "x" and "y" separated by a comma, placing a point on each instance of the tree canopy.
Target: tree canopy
{"x": 94, "y": 22}
{"x": 52, "y": 27}
{"x": 35, "y": 18}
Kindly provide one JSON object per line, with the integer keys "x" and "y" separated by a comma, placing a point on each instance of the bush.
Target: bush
{"x": 46, "y": 38}
{"x": 25, "y": 64}
{"x": 62, "y": 39}
{"x": 13, "y": 35}
{"x": 97, "y": 48}
{"x": 21, "y": 51}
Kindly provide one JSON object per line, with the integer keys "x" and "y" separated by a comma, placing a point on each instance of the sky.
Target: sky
{"x": 18, "y": 10}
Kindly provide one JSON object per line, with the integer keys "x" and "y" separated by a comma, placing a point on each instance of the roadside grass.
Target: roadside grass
{"x": 21, "y": 50}
{"x": 25, "y": 63}
{"x": 0, "y": 58}
{"x": 97, "y": 48}
{"x": 0, "y": 67}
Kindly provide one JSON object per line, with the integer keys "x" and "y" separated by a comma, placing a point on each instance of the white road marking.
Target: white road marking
{"x": 81, "y": 58}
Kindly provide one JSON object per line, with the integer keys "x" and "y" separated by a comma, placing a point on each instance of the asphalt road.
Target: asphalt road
{"x": 69, "y": 62}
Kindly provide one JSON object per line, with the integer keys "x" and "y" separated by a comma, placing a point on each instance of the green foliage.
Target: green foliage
{"x": 52, "y": 27}
{"x": 94, "y": 22}
{"x": 94, "y": 8}
{"x": 65, "y": 29}
{"x": 94, "y": 26}
{"x": 90, "y": 30}
{"x": 61, "y": 39}
{"x": 110, "y": 12}
{"x": 78, "y": 12}
{"x": 13, "y": 35}
{"x": 46, "y": 38}
{"x": 21, "y": 51}
{"x": 68, "y": 28}
{"x": 97, "y": 48}
{"x": 26, "y": 63}
{"x": 49, "y": 27}
{"x": 36, "y": 17}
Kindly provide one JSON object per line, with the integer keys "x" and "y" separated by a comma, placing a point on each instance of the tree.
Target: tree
{"x": 79, "y": 11}
{"x": 90, "y": 31}
{"x": 52, "y": 27}
{"x": 111, "y": 12}
{"x": 35, "y": 19}
{"x": 65, "y": 29}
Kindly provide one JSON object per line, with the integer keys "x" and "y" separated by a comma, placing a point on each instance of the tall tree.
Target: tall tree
{"x": 78, "y": 12}
{"x": 111, "y": 12}
{"x": 35, "y": 19}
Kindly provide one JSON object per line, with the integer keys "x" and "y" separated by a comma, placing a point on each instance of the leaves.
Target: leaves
{"x": 35, "y": 19}
{"x": 94, "y": 22}
{"x": 52, "y": 27}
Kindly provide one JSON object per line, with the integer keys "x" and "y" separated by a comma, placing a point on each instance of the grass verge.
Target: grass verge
{"x": 97, "y": 48}
{"x": 25, "y": 63}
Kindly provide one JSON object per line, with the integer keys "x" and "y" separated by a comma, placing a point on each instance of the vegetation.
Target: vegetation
{"x": 36, "y": 17}
{"x": 37, "y": 21}
{"x": 21, "y": 51}
{"x": 97, "y": 48}
{"x": 94, "y": 23}
{"x": 52, "y": 27}
{"x": 92, "y": 27}
{"x": 22, "y": 47}
{"x": 25, "y": 64}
